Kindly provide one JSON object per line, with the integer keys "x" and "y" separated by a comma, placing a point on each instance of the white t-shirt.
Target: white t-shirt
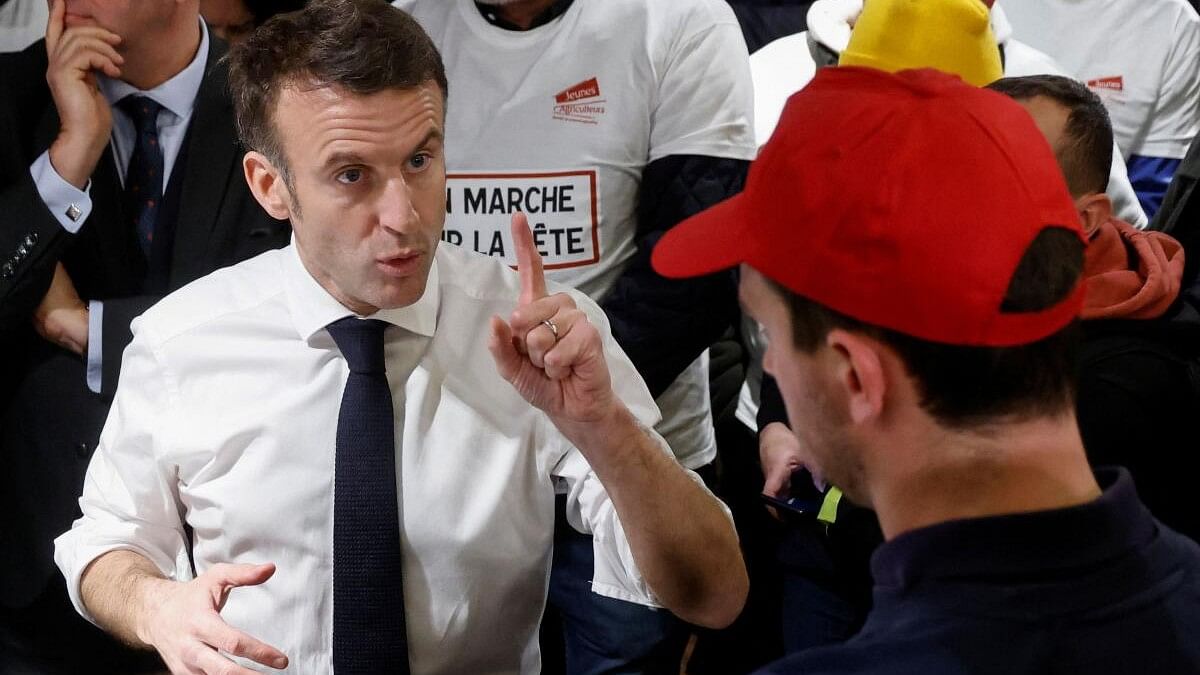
{"x": 1141, "y": 56}
{"x": 559, "y": 122}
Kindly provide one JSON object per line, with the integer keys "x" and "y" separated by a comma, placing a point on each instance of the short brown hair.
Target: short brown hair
{"x": 1086, "y": 155}
{"x": 363, "y": 46}
{"x": 961, "y": 386}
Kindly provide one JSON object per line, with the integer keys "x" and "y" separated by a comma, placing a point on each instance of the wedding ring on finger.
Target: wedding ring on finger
{"x": 549, "y": 323}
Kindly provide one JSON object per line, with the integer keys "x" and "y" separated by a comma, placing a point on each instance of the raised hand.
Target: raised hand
{"x": 75, "y": 55}
{"x": 548, "y": 349}
{"x": 186, "y": 628}
{"x": 662, "y": 511}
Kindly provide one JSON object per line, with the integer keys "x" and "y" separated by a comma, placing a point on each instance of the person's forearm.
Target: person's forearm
{"x": 116, "y": 589}
{"x": 684, "y": 545}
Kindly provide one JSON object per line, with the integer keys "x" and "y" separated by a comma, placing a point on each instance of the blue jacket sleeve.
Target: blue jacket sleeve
{"x": 1151, "y": 176}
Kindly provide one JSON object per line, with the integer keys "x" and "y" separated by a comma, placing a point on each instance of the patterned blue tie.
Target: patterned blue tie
{"x": 144, "y": 177}
{"x": 368, "y": 594}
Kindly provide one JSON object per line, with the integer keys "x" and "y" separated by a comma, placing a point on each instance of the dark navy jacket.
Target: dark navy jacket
{"x": 1100, "y": 589}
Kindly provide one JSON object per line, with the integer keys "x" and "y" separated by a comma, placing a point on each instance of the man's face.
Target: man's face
{"x": 816, "y": 406}
{"x": 368, "y": 189}
{"x": 127, "y": 18}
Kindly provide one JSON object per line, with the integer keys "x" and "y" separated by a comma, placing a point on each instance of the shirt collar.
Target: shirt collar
{"x": 1046, "y": 541}
{"x": 313, "y": 308}
{"x": 551, "y": 13}
{"x": 177, "y": 94}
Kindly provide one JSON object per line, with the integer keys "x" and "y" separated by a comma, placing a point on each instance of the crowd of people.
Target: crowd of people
{"x": 599, "y": 336}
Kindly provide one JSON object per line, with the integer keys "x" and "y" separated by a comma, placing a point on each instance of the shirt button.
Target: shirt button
{"x": 7, "y": 270}
{"x": 30, "y": 240}
{"x": 22, "y": 251}
{"x": 83, "y": 450}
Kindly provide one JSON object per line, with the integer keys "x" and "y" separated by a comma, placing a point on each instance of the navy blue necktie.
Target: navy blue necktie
{"x": 144, "y": 176}
{"x": 368, "y": 594}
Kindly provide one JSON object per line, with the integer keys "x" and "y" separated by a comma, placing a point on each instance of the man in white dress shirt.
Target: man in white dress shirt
{"x": 218, "y": 460}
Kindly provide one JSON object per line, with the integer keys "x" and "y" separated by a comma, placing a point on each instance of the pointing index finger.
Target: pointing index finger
{"x": 529, "y": 261}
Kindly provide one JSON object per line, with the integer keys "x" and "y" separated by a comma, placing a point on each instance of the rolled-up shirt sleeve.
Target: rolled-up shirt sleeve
{"x": 130, "y": 497}
{"x": 589, "y": 508}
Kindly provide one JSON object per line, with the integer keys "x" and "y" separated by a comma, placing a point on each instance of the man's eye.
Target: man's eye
{"x": 418, "y": 162}
{"x": 350, "y": 176}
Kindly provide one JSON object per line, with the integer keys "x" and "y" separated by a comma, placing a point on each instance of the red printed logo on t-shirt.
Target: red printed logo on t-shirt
{"x": 1114, "y": 83}
{"x": 580, "y": 103}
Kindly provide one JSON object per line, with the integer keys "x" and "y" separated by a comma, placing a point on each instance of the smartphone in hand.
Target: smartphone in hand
{"x": 794, "y": 508}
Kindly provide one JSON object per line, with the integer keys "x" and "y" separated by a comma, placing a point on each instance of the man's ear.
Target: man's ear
{"x": 267, "y": 185}
{"x": 1094, "y": 210}
{"x": 858, "y": 369}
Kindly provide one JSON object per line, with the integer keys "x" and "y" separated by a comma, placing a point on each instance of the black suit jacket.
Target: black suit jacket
{"x": 49, "y": 420}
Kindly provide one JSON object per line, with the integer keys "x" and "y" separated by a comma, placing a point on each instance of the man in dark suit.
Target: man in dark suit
{"x": 120, "y": 181}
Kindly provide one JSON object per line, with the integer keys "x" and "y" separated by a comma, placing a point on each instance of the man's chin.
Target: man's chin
{"x": 408, "y": 294}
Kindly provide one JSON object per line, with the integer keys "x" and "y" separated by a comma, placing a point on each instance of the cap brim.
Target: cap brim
{"x": 708, "y": 242}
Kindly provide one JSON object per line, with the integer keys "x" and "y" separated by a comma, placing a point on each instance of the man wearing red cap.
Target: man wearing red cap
{"x": 932, "y": 380}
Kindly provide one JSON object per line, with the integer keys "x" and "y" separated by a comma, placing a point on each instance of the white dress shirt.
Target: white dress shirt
{"x": 72, "y": 206}
{"x": 226, "y": 420}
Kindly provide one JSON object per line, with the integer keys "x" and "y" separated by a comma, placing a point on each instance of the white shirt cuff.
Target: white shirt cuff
{"x": 95, "y": 349}
{"x": 69, "y": 205}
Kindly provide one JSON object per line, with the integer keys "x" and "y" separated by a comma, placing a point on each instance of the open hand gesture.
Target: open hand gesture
{"x": 186, "y": 628}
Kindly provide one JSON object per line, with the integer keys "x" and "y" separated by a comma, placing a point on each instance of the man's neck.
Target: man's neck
{"x": 521, "y": 13}
{"x": 149, "y": 63}
{"x": 1020, "y": 467}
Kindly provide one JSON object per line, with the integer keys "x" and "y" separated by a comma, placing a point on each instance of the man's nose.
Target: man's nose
{"x": 396, "y": 210}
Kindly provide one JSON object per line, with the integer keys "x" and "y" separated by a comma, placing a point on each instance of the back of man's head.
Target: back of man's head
{"x": 965, "y": 387}
{"x": 361, "y": 46}
{"x": 1084, "y": 147}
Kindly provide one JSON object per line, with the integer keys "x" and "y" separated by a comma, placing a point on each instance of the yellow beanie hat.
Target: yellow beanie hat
{"x": 954, "y": 36}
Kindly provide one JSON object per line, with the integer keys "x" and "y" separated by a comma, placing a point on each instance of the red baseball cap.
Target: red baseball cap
{"x": 902, "y": 200}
